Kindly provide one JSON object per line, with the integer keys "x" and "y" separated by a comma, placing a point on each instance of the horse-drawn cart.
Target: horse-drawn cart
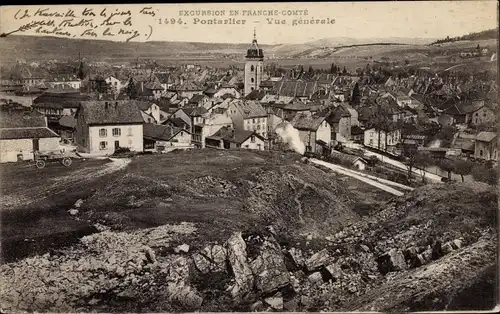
{"x": 42, "y": 158}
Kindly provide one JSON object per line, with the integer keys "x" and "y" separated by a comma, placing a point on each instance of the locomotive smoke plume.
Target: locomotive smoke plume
{"x": 290, "y": 135}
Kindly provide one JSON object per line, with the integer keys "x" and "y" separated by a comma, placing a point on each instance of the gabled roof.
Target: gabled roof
{"x": 161, "y": 132}
{"x": 255, "y": 95}
{"x": 21, "y": 119}
{"x": 338, "y": 113}
{"x": 178, "y": 122}
{"x": 40, "y": 132}
{"x": 66, "y": 99}
{"x": 346, "y": 157}
{"x": 195, "y": 111}
{"x": 196, "y": 98}
{"x": 68, "y": 121}
{"x": 250, "y": 109}
{"x": 296, "y": 88}
{"x": 106, "y": 113}
{"x": 297, "y": 105}
{"x": 234, "y": 136}
{"x": 486, "y": 136}
{"x": 304, "y": 121}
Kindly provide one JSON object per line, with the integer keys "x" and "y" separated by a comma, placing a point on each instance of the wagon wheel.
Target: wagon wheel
{"x": 66, "y": 161}
{"x": 40, "y": 163}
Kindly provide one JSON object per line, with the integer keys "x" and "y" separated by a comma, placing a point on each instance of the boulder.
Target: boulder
{"x": 276, "y": 301}
{"x": 184, "y": 294}
{"x": 318, "y": 260}
{"x": 237, "y": 257}
{"x": 73, "y": 212}
{"x": 334, "y": 271}
{"x": 391, "y": 261}
{"x": 458, "y": 243}
{"x": 269, "y": 268}
{"x": 78, "y": 203}
{"x": 184, "y": 248}
{"x": 150, "y": 255}
{"x": 211, "y": 259}
{"x": 315, "y": 278}
{"x": 291, "y": 305}
{"x": 257, "y": 306}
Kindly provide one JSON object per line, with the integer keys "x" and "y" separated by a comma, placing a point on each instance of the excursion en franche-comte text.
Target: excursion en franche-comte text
{"x": 105, "y": 22}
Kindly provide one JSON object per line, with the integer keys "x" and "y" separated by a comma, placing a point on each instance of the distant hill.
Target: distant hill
{"x": 483, "y": 35}
{"x": 44, "y": 48}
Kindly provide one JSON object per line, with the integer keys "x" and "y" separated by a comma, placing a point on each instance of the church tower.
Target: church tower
{"x": 254, "y": 66}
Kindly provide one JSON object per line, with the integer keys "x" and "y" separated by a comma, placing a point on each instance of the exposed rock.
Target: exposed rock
{"x": 306, "y": 301}
{"x": 391, "y": 261}
{"x": 296, "y": 257}
{"x": 457, "y": 243}
{"x": 184, "y": 294}
{"x": 276, "y": 301}
{"x": 315, "y": 278}
{"x": 257, "y": 306}
{"x": 78, "y": 203}
{"x": 150, "y": 255}
{"x": 319, "y": 259}
{"x": 211, "y": 259}
{"x": 334, "y": 271}
{"x": 182, "y": 248}
{"x": 269, "y": 268}
{"x": 291, "y": 305}
{"x": 237, "y": 256}
{"x": 73, "y": 212}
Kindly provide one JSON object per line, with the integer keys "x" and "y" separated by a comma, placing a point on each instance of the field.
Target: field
{"x": 219, "y": 190}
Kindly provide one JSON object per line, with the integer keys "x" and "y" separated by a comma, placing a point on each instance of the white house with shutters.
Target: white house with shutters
{"x": 102, "y": 127}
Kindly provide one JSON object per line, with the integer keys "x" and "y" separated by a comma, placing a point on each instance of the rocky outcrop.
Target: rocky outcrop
{"x": 269, "y": 268}
{"x": 240, "y": 268}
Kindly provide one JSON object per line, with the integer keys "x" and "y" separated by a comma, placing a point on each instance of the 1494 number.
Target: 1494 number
{"x": 170, "y": 21}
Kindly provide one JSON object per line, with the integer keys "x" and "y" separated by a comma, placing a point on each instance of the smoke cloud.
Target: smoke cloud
{"x": 290, "y": 135}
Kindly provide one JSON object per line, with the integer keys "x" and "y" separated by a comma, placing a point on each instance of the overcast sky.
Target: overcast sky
{"x": 357, "y": 20}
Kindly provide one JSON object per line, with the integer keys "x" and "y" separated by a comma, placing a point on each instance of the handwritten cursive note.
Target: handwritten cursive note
{"x": 108, "y": 23}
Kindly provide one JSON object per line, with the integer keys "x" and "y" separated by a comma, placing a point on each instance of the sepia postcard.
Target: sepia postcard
{"x": 249, "y": 157}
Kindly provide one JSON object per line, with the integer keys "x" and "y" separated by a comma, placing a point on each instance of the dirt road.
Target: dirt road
{"x": 365, "y": 179}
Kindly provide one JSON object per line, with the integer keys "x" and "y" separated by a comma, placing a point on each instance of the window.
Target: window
{"x": 253, "y": 139}
{"x": 117, "y": 131}
{"x": 253, "y": 120}
{"x": 103, "y": 132}
{"x": 252, "y": 80}
{"x": 371, "y": 142}
{"x": 252, "y": 68}
{"x": 246, "y": 146}
{"x": 481, "y": 153}
{"x": 258, "y": 147}
{"x": 103, "y": 145}
{"x": 251, "y": 88}
{"x": 182, "y": 133}
{"x": 258, "y": 126}
{"x": 130, "y": 131}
